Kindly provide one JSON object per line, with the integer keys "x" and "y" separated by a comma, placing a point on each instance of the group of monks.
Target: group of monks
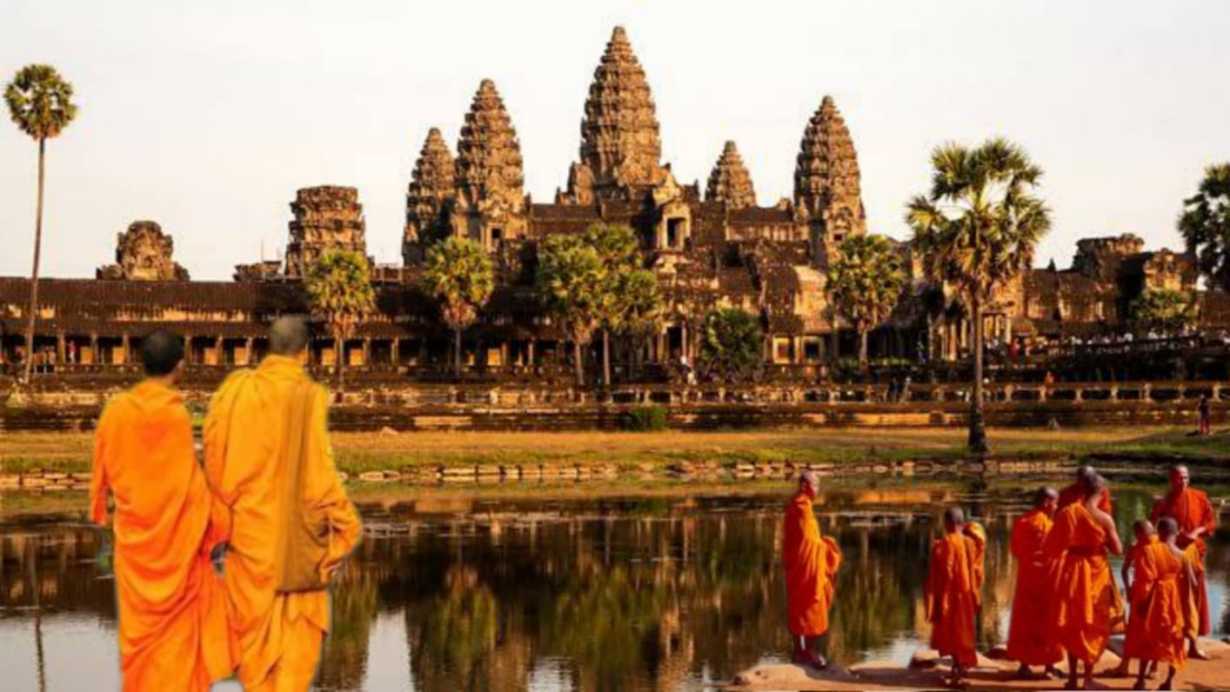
{"x": 1066, "y": 601}
{"x": 177, "y": 522}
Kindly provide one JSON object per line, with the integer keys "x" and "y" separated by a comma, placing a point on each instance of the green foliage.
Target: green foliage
{"x": 732, "y": 344}
{"x": 339, "y": 289}
{"x": 629, "y": 298}
{"x": 1205, "y": 225}
{"x": 459, "y": 274}
{"x": 865, "y": 283}
{"x": 645, "y": 419}
{"x": 1164, "y": 310}
{"x": 40, "y": 101}
{"x": 570, "y": 282}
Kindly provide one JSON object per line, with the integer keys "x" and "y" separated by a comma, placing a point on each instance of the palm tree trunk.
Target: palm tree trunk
{"x": 977, "y": 428}
{"x": 339, "y": 350}
{"x": 863, "y": 363}
{"x": 457, "y": 353}
{"x": 576, "y": 361}
{"x": 38, "y": 243}
{"x": 606, "y": 358}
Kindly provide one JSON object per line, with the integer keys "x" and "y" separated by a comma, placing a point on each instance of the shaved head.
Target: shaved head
{"x": 1180, "y": 478}
{"x": 954, "y": 517}
{"x": 1094, "y": 485}
{"x": 1043, "y": 496}
{"x": 161, "y": 352}
{"x": 1167, "y": 528}
{"x": 288, "y": 336}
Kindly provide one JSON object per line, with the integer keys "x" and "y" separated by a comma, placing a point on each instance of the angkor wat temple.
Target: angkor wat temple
{"x": 710, "y": 247}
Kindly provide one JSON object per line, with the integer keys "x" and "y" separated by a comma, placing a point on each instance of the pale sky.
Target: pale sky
{"x": 207, "y": 116}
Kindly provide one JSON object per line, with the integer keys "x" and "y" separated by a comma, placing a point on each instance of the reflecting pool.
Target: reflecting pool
{"x": 449, "y": 592}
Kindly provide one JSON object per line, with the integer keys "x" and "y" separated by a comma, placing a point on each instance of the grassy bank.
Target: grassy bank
{"x": 358, "y": 452}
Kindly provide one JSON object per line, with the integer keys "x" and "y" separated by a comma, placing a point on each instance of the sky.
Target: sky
{"x": 207, "y": 116}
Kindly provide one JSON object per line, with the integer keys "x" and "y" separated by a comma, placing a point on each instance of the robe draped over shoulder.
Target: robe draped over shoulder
{"x": 811, "y": 561}
{"x": 1155, "y": 629}
{"x": 1030, "y": 640}
{"x": 1085, "y": 607}
{"x": 1192, "y": 509}
{"x": 952, "y": 598}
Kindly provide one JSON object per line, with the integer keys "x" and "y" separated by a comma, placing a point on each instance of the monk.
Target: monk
{"x": 173, "y": 632}
{"x": 254, "y": 419}
{"x": 952, "y": 595}
{"x": 1144, "y": 534}
{"x": 1030, "y": 641}
{"x": 1084, "y": 605}
{"x": 1155, "y": 631}
{"x": 1192, "y": 511}
{"x": 1075, "y": 493}
{"x": 811, "y": 561}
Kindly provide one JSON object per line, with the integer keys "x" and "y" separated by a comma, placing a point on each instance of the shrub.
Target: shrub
{"x": 645, "y": 418}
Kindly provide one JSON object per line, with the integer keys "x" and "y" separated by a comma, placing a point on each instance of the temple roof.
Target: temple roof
{"x": 826, "y": 176}
{"x": 488, "y": 152}
{"x": 730, "y": 182}
{"x": 620, "y": 142}
{"x": 434, "y": 180}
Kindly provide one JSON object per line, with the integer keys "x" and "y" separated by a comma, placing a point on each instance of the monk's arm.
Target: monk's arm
{"x": 332, "y": 501}
{"x": 1112, "y": 535}
{"x": 1123, "y": 574}
{"x": 937, "y": 582}
{"x": 98, "y": 472}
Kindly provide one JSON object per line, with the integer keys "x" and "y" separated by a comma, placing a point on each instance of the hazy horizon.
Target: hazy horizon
{"x": 207, "y": 117}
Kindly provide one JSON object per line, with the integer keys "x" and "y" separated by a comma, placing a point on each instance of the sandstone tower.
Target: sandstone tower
{"x": 429, "y": 196}
{"x": 490, "y": 203}
{"x": 143, "y": 253}
{"x": 620, "y": 143}
{"x": 827, "y": 193}
{"x": 326, "y": 218}
{"x": 730, "y": 182}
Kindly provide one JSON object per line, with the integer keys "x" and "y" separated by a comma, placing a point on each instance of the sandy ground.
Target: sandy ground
{"x": 989, "y": 675}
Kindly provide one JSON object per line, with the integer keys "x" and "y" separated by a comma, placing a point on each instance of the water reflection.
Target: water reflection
{"x": 594, "y": 595}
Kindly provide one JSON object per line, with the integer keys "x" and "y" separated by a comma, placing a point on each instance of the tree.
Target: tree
{"x": 977, "y": 230}
{"x": 864, "y": 283}
{"x": 629, "y": 293}
{"x": 640, "y": 306}
{"x": 732, "y": 344}
{"x": 1163, "y": 309}
{"x": 571, "y": 281}
{"x": 1205, "y": 225}
{"x": 40, "y": 102}
{"x": 339, "y": 288}
{"x": 459, "y": 274}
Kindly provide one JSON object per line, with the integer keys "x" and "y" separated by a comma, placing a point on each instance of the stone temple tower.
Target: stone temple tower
{"x": 620, "y": 144}
{"x": 490, "y": 204}
{"x": 429, "y": 197}
{"x": 730, "y": 182}
{"x": 327, "y": 217}
{"x": 827, "y": 193}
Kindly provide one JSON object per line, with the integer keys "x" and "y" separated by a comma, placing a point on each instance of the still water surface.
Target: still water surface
{"x": 454, "y": 593}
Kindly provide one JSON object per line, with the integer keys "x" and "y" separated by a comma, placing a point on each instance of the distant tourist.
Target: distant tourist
{"x": 1086, "y": 608}
{"x": 811, "y": 561}
{"x": 952, "y": 595}
{"x": 1155, "y": 630}
{"x": 1192, "y": 511}
{"x": 1205, "y": 415}
{"x": 1030, "y": 639}
{"x": 173, "y": 632}
{"x": 268, "y": 457}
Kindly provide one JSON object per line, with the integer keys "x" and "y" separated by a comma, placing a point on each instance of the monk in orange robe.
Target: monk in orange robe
{"x": 952, "y": 596}
{"x": 1155, "y": 631}
{"x": 811, "y": 561}
{"x": 250, "y": 427}
{"x": 1030, "y": 641}
{"x": 173, "y": 632}
{"x": 1075, "y": 493}
{"x": 1084, "y": 606}
{"x": 1192, "y": 511}
{"x": 1145, "y": 534}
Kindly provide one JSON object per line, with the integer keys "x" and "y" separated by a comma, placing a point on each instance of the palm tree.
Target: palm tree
{"x": 1205, "y": 225}
{"x": 40, "y": 102}
{"x": 571, "y": 280}
{"x": 976, "y": 231}
{"x": 339, "y": 288}
{"x": 864, "y": 283}
{"x": 459, "y": 274}
{"x": 732, "y": 344}
{"x": 628, "y": 293}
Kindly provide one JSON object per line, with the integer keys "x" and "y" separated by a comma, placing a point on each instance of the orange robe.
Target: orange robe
{"x": 952, "y": 598}
{"x": 811, "y": 561}
{"x": 173, "y": 633}
{"x": 1191, "y": 593}
{"x": 1155, "y": 630}
{"x": 279, "y": 634}
{"x": 974, "y": 531}
{"x": 1030, "y": 640}
{"x": 1191, "y": 509}
{"x": 1085, "y": 606}
{"x": 1075, "y": 493}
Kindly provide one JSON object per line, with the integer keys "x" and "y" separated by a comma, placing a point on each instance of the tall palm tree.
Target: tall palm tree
{"x": 572, "y": 282}
{"x": 629, "y": 292}
{"x": 40, "y": 103}
{"x": 339, "y": 288}
{"x": 1205, "y": 225}
{"x": 864, "y": 283}
{"x": 459, "y": 274}
{"x": 976, "y": 231}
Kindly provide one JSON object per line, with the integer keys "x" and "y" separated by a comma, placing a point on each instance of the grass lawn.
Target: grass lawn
{"x": 357, "y": 452}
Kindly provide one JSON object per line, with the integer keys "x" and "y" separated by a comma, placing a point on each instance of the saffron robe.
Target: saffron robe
{"x": 811, "y": 561}
{"x": 952, "y": 598}
{"x": 1191, "y": 592}
{"x": 1155, "y": 629}
{"x": 1085, "y": 605}
{"x": 173, "y": 633}
{"x": 1191, "y": 509}
{"x": 1030, "y": 640}
{"x": 279, "y": 634}
{"x": 976, "y": 533}
{"x": 1075, "y": 493}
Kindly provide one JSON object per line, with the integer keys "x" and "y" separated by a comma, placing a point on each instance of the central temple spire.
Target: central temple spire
{"x": 620, "y": 143}
{"x": 488, "y": 153}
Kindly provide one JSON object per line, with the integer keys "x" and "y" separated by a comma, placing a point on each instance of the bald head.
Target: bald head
{"x": 809, "y": 482}
{"x": 288, "y": 336}
{"x": 1094, "y": 485}
{"x": 1167, "y": 529}
{"x": 954, "y": 518}
{"x": 1045, "y": 497}
{"x": 161, "y": 353}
